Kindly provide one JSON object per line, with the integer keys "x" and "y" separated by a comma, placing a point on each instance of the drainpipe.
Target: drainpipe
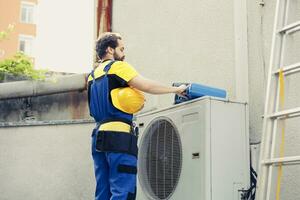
{"x": 241, "y": 65}
{"x": 241, "y": 51}
{"x": 31, "y": 88}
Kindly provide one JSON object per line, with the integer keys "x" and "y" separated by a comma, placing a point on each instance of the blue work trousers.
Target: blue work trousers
{"x": 115, "y": 174}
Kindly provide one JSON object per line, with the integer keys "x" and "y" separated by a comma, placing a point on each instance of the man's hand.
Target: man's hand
{"x": 181, "y": 90}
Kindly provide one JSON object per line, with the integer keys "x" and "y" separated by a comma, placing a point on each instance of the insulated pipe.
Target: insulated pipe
{"x": 30, "y": 88}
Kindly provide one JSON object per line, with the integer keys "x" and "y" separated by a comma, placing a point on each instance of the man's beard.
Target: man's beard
{"x": 118, "y": 58}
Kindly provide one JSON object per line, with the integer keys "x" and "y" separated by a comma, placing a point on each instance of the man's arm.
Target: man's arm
{"x": 153, "y": 87}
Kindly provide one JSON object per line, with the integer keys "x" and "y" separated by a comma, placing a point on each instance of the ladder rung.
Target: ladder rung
{"x": 290, "y": 28}
{"x": 286, "y": 113}
{"x": 289, "y": 69}
{"x": 283, "y": 160}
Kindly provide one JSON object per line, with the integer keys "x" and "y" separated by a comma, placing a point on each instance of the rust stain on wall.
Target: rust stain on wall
{"x": 78, "y": 106}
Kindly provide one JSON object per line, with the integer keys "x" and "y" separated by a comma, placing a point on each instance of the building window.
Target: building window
{"x": 26, "y": 44}
{"x": 27, "y": 12}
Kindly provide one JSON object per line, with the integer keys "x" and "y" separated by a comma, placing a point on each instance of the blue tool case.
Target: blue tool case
{"x": 196, "y": 90}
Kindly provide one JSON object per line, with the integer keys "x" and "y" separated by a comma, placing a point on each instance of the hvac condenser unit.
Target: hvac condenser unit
{"x": 196, "y": 150}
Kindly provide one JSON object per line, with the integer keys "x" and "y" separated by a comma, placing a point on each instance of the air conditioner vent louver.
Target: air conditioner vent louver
{"x": 160, "y": 159}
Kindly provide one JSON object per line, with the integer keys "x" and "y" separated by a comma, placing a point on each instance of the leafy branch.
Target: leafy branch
{"x": 4, "y": 34}
{"x": 21, "y": 65}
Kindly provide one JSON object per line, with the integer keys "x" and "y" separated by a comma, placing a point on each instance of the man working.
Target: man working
{"x": 114, "y": 146}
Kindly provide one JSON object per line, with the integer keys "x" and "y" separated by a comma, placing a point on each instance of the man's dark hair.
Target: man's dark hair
{"x": 105, "y": 41}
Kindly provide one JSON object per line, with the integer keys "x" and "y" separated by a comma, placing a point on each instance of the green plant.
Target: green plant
{"x": 21, "y": 65}
{"x": 4, "y": 34}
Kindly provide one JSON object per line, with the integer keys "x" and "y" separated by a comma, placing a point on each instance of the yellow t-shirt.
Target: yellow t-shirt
{"x": 121, "y": 69}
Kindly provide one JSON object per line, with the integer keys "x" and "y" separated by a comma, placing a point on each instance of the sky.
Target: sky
{"x": 65, "y": 35}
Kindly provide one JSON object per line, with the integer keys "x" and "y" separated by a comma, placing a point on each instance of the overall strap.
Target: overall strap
{"x": 108, "y": 66}
{"x": 92, "y": 74}
{"x": 106, "y": 69}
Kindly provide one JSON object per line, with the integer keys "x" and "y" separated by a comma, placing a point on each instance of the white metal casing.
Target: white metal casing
{"x": 218, "y": 131}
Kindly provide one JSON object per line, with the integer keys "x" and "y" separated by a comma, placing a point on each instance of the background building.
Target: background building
{"x": 21, "y": 14}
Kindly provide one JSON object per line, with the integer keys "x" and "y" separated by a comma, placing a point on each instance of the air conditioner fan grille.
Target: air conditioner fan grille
{"x": 161, "y": 159}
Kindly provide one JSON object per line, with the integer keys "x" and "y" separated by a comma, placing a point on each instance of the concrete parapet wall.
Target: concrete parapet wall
{"x": 48, "y": 162}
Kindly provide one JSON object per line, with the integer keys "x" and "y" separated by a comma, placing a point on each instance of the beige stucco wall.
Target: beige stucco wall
{"x": 193, "y": 41}
{"x": 175, "y": 41}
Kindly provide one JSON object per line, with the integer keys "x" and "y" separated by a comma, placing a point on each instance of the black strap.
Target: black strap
{"x": 131, "y": 196}
{"x": 119, "y": 142}
{"x": 127, "y": 169}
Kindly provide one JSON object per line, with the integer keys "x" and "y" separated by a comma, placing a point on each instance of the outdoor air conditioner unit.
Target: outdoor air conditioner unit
{"x": 197, "y": 150}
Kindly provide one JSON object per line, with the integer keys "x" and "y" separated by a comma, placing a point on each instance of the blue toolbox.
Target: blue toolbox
{"x": 196, "y": 90}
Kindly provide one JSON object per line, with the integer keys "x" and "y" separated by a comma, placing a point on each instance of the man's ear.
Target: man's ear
{"x": 110, "y": 50}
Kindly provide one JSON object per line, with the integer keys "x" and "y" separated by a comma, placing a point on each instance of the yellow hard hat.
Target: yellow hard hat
{"x": 128, "y": 99}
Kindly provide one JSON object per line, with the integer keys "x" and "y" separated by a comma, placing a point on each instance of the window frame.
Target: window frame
{"x": 28, "y": 6}
{"x": 29, "y": 44}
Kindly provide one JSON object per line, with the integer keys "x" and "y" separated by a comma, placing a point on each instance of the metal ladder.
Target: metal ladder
{"x": 274, "y": 114}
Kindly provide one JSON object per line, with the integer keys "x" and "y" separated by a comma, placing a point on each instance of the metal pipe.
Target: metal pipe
{"x": 30, "y": 88}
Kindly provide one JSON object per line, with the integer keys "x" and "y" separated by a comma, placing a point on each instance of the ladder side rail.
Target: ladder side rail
{"x": 269, "y": 103}
{"x": 276, "y": 122}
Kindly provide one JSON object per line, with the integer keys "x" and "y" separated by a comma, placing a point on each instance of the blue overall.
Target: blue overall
{"x": 114, "y": 153}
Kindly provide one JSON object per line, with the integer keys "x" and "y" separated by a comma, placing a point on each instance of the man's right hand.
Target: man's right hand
{"x": 181, "y": 90}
